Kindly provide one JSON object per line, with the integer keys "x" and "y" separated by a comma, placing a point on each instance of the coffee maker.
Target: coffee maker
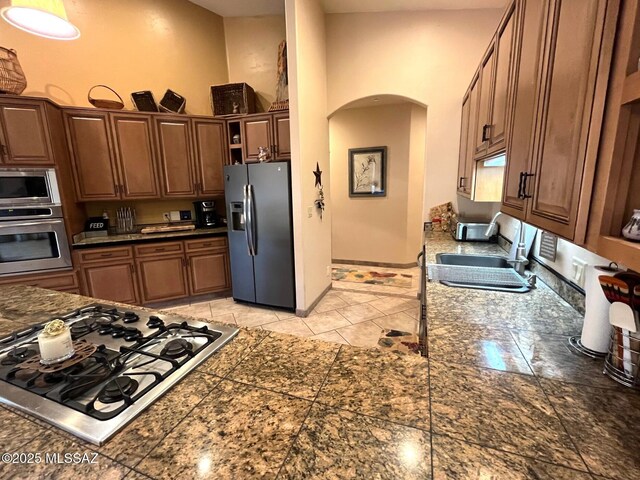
{"x": 205, "y": 214}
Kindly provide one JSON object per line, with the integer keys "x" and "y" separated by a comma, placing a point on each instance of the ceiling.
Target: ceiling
{"x": 357, "y": 6}
{"x": 243, "y": 8}
{"x": 255, "y": 8}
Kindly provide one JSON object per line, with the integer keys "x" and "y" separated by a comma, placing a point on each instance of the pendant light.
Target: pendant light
{"x": 45, "y": 18}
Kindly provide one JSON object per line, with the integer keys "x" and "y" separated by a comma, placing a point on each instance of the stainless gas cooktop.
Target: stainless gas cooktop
{"x": 124, "y": 361}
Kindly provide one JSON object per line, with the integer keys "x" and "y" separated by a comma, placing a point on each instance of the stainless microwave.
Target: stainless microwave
{"x": 28, "y": 186}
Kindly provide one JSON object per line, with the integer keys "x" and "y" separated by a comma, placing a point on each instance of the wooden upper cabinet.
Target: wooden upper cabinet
{"x": 24, "y": 134}
{"x": 257, "y": 131}
{"x": 528, "y": 43}
{"x": 210, "y": 148}
{"x": 569, "y": 74}
{"x": 474, "y": 97}
{"x": 462, "y": 157}
{"x": 500, "y": 98}
{"x": 282, "y": 136}
{"x": 91, "y": 149}
{"x": 135, "y": 154}
{"x": 176, "y": 157}
{"x": 483, "y": 126}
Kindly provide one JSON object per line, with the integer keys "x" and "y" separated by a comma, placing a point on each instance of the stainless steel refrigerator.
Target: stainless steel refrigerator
{"x": 260, "y": 226}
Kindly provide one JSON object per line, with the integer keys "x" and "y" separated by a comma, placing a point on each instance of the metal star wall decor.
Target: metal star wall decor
{"x": 318, "y": 174}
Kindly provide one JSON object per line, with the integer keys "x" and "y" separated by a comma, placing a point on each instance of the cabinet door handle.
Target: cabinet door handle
{"x": 485, "y": 134}
{"x": 460, "y": 182}
{"x": 131, "y": 268}
{"x": 520, "y": 185}
{"x": 106, "y": 255}
{"x": 4, "y": 150}
{"x": 525, "y": 177}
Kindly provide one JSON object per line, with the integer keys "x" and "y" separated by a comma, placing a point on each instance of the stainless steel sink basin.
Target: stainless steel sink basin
{"x": 472, "y": 260}
{"x": 490, "y": 273}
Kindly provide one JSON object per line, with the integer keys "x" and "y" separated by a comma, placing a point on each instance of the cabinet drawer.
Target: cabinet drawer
{"x": 158, "y": 249}
{"x": 68, "y": 281}
{"x": 52, "y": 281}
{"x": 205, "y": 243}
{"x": 102, "y": 254}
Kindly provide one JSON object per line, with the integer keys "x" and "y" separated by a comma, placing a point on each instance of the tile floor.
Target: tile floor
{"x": 351, "y": 313}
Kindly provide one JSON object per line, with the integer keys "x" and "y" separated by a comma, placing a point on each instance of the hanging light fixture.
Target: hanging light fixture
{"x": 45, "y": 18}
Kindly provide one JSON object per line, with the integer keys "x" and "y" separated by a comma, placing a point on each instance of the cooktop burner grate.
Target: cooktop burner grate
{"x": 123, "y": 362}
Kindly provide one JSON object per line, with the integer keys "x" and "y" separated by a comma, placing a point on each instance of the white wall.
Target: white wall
{"x": 565, "y": 253}
{"x": 379, "y": 229}
{"x": 252, "y": 53}
{"x": 130, "y": 46}
{"x": 427, "y": 56}
{"x": 309, "y": 144}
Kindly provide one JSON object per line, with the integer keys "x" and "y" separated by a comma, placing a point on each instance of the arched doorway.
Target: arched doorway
{"x": 379, "y": 230}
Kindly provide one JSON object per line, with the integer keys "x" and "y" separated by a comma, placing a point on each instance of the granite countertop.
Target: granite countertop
{"x": 127, "y": 238}
{"x": 541, "y": 306}
{"x": 266, "y": 405}
{"x": 270, "y": 405}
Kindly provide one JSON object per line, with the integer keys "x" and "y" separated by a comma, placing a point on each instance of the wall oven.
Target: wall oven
{"x": 32, "y": 233}
{"x": 28, "y": 186}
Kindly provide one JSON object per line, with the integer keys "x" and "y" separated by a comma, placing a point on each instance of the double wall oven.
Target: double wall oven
{"x": 32, "y": 233}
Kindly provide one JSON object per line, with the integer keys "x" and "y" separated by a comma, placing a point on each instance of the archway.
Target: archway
{"x": 378, "y": 229}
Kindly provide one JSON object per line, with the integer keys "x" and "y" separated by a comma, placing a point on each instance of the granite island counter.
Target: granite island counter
{"x": 265, "y": 405}
{"x": 500, "y": 396}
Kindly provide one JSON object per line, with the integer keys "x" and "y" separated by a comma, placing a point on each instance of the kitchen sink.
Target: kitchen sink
{"x": 484, "y": 272}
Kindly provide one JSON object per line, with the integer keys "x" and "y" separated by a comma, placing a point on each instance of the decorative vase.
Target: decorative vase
{"x": 632, "y": 229}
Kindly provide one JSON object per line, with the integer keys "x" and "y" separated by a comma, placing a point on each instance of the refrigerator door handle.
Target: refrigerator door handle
{"x": 247, "y": 218}
{"x": 252, "y": 225}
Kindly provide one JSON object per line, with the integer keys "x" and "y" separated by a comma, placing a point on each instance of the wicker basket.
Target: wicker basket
{"x": 223, "y": 98}
{"x": 103, "y": 103}
{"x": 12, "y": 79}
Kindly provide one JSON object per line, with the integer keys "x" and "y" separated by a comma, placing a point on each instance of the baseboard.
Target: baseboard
{"x": 375, "y": 264}
{"x": 305, "y": 313}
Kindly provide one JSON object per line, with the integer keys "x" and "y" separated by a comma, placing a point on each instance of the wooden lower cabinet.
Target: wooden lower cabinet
{"x": 113, "y": 281}
{"x": 155, "y": 272}
{"x": 162, "y": 278}
{"x": 209, "y": 272}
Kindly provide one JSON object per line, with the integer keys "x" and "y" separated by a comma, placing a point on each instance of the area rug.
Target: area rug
{"x": 398, "y": 341}
{"x": 402, "y": 280}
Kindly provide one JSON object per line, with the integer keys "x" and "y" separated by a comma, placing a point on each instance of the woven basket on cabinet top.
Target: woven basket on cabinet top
{"x": 12, "y": 79}
{"x": 224, "y": 96}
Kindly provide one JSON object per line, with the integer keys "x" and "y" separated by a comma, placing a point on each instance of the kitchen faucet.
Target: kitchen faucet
{"x": 520, "y": 260}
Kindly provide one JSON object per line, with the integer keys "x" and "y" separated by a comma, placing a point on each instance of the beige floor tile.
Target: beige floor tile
{"x": 354, "y": 298}
{"x": 365, "y": 334}
{"x": 225, "y": 318}
{"x": 283, "y": 314}
{"x": 330, "y": 301}
{"x": 360, "y": 313}
{"x": 323, "y": 322}
{"x": 397, "y": 321}
{"x": 255, "y": 317}
{"x": 200, "y": 311}
{"x": 389, "y": 305}
{"x": 292, "y": 326}
{"x": 331, "y": 336}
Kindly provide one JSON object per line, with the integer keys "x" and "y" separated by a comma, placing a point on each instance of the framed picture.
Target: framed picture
{"x": 367, "y": 172}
